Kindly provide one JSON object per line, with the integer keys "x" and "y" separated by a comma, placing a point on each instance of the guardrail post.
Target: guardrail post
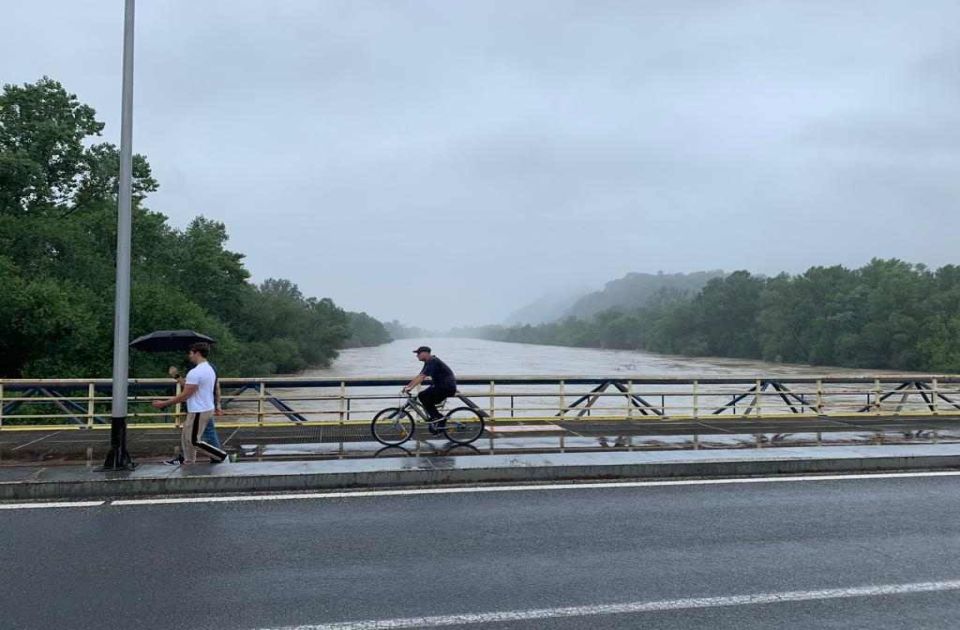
{"x": 261, "y": 397}
{"x": 1, "y": 405}
{"x": 493, "y": 403}
{"x": 876, "y": 386}
{"x": 696, "y": 399}
{"x": 91, "y": 394}
{"x": 933, "y": 395}
{"x": 759, "y": 398}
{"x": 630, "y": 399}
{"x": 178, "y": 408}
{"x": 563, "y": 399}
{"x": 820, "y": 397}
{"x": 343, "y": 401}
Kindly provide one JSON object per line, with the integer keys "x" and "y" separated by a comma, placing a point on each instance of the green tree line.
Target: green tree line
{"x": 58, "y": 205}
{"x": 366, "y": 331}
{"x": 888, "y": 314}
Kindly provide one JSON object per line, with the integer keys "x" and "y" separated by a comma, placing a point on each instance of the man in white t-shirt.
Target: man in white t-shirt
{"x": 198, "y": 392}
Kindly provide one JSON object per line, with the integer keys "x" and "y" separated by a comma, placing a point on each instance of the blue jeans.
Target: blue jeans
{"x": 210, "y": 435}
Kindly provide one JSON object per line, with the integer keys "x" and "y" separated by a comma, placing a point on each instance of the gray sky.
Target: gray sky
{"x": 444, "y": 162}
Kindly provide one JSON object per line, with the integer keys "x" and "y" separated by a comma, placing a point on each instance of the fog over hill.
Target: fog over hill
{"x": 547, "y": 308}
{"x": 638, "y": 289}
{"x": 629, "y": 292}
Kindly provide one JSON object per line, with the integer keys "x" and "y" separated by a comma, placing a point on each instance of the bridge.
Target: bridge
{"x": 329, "y": 418}
{"x": 684, "y": 550}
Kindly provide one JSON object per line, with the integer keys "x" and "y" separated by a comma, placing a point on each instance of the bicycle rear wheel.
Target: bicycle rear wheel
{"x": 463, "y": 425}
{"x": 392, "y": 426}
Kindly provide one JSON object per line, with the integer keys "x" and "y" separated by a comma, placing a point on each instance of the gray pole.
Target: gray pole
{"x": 119, "y": 458}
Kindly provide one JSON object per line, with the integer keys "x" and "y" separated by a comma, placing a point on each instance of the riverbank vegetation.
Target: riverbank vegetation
{"x": 366, "y": 331}
{"x": 58, "y": 209}
{"x": 888, "y": 314}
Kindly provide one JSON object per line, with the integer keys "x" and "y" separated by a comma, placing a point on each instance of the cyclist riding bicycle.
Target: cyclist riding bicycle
{"x": 443, "y": 385}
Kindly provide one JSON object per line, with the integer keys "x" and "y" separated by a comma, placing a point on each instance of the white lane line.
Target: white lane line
{"x": 61, "y": 504}
{"x": 43, "y": 437}
{"x": 636, "y": 607}
{"x": 303, "y": 496}
{"x": 525, "y": 488}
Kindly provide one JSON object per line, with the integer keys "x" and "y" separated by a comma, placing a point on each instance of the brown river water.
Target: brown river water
{"x": 476, "y": 357}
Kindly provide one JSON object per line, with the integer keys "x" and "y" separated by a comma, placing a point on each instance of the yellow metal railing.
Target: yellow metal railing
{"x": 85, "y": 403}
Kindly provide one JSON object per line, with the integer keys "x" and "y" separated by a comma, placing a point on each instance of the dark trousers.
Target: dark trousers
{"x": 431, "y": 397}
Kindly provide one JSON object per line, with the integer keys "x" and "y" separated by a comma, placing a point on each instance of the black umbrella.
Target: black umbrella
{"x": 169, "y": 341}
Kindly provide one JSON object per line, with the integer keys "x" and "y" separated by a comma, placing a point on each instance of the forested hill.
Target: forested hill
{"x": 58, "y": 205}
{"x": 545, "y": 309}
{"x": 636, "y": 290}
{"x": 887, "y": 314}
{"x": 632, "y": 291}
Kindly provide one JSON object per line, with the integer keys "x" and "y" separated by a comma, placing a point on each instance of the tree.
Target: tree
{"x": 42, "y": 129}
{"x": 58, "y": 204}
{"x": 365, "y": 331}
{"x": 887, "y": 314}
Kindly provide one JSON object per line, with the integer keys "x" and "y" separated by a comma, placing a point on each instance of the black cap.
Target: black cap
{"x": 422, "y": 349}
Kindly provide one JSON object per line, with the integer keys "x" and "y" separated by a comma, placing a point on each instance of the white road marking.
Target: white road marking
{"x": 636, "y": 607}
{"x": 43, "y": 437}
{"x": 524, "y": 488}
{"x": 61, "y": 504}
{"x": 303, "y": 496}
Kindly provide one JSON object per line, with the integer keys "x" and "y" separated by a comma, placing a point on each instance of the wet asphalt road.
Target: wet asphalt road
{"x": 281, "y": 563}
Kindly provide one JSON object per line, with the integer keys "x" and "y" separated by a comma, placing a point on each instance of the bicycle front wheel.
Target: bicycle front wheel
{"x": 463, "y": 425}
{"x": 392, "y": 426}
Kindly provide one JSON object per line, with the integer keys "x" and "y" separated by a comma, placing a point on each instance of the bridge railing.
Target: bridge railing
{"x": 85, "y": 403}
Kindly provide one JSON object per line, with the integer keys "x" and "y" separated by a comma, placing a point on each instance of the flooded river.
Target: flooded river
{"x": 477, "y": 357}
{"x": 541, "y": 404}
{"x": 498, "y": 360}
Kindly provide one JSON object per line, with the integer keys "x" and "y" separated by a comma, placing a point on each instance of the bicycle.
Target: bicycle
{"x": 394, "y": 425}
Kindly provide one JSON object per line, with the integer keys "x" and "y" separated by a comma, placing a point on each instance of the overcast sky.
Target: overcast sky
{"x": 444, "y": 162}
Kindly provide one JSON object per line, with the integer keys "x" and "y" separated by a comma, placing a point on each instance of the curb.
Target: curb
{"x": 83, "y": 483}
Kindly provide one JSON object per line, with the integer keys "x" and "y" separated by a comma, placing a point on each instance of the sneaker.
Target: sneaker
{"x": 225, "y": 460}
{"x": 176, "y": 461}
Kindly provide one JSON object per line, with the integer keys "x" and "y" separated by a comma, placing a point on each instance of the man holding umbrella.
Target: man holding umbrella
{"x": 198, "y": 392}
{"x": 210, "y": 433}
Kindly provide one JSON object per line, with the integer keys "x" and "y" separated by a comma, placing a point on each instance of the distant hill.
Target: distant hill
{"x": 398, "y": 330}
{"x": 546, "y": 309}
{"x": 638, "y": 289}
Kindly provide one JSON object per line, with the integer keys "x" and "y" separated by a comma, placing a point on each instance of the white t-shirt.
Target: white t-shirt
{"x": 203, "y": 376}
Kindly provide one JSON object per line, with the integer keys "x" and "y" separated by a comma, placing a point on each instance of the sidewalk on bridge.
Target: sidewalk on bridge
{"x": 76, "y": 482}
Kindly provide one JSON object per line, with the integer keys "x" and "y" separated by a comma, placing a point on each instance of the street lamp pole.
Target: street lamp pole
{"x": 118, "y": 458}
